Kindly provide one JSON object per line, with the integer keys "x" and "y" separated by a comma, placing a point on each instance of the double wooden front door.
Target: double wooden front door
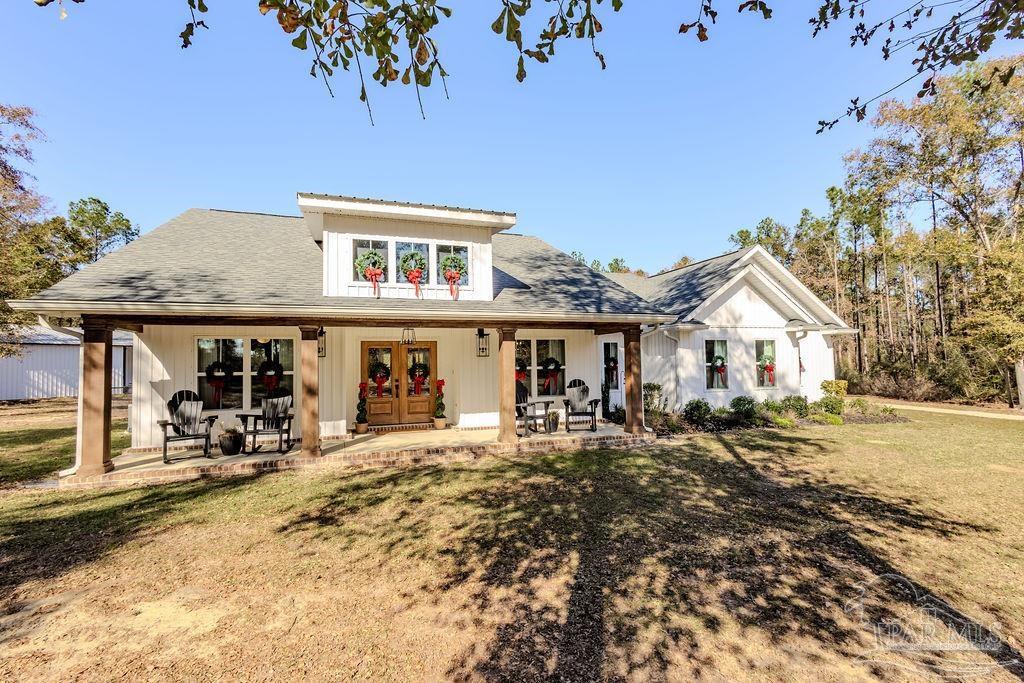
{"x": 400, "y": 381}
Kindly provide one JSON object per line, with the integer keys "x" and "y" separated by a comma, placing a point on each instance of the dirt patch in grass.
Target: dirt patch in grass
{"x": 729, "y": 556}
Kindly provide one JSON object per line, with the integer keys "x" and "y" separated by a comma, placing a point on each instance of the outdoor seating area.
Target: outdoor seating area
{"x": 386, "y": 449}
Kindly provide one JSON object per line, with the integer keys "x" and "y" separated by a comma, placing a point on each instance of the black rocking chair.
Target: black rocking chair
{"x": 274, "y": 419}
{"x": 187, "y": 422}
{"x": 530, "y": 415}
{"x": 579, "y": 404}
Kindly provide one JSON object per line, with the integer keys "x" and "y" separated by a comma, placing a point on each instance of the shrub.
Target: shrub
{"x": 744, "y": 407}
{"x": 887, "y": 410}
{"x": 834, "y": 387}
{"x": 774, "y": 407}
{"x": 617, "y": 414}
{"x": 652, "y": 396}
{"x": 825, "y": 419}
{"x": 797, "y": 405}
{"x": 832, "y": 405}
{"x": 859, "y": 405}
{"x": 781, "y": 421}
{"x": 719, "y": 420}
{"x": 697, "y": 411}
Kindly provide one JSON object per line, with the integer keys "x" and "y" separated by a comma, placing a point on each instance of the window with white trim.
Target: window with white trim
{"x": 462, "y": 252}
{"x": 716, "y": 363}
{"x": 360, "y": 247}
{"x": 540, "y": 366}
{"x": 237, "y": 374}
{"x": 403, "y": 248}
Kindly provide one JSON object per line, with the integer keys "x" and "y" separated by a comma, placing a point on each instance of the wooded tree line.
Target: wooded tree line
{"x": 37, "y": 247}
{"x": 920, "y": 249}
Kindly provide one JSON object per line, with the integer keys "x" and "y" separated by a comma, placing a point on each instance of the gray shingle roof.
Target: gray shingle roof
{"x": 682, "y": 290}
{"x": 213, "y": 256}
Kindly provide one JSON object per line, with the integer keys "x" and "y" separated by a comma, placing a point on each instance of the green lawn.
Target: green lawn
{"x": 40, "y": 452}
{"x": 732, "y": 556}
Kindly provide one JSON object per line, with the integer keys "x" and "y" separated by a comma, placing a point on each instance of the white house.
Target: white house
{"x": 744, "y": 325}
{"x": 233, "y": 306}
{"x": 46, "y": 364}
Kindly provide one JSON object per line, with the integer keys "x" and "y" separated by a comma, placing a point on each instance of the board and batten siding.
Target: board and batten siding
{"x": 166, "y": 361}
{"x": 340, "y": 231}
{"x": 675, "y": 357}
{"x": 51, "y": 371}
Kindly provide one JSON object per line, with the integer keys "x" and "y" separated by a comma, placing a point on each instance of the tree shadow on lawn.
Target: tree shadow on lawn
{"x": 612, "y": 564}
{"x": 52, "y": 535}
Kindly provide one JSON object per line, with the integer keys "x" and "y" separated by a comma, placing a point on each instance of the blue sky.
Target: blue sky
{"x": 672, "y": 148}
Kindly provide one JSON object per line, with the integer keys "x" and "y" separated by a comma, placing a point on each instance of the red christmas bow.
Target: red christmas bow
{"x": 551, "y": 377}
{"x": 415, "y": 276}
{"x": 218, "y": 389}
{"x": 721, "y": 371}
{"x": 453, "y": 277}
{"x": 520, "y": 375}
{"x": 373, "y": 275}
{"x": 380, "y": 378}
{"x": 417, "y": 383}
{"x": 769, "y": 370}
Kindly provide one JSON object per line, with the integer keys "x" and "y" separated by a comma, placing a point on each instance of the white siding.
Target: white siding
{"x": 741, "y": 318}
{"x": 51, "y": 371}
{"x": 165, "y": 361}
{"x": 339, "y": 231}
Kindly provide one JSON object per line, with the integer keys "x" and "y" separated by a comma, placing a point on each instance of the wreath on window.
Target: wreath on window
{"x": 766, "y": 364}
{"x": 413, "y": 265}
{"x": 270, "y": 373}
{"x": 718, "y": 363}
{"x": 418, "y": 374}
{"x": 371, "y": 265}
{"x": 453, "y": 268}
{"x": 551, "y": 367}
{"x": 520, "y": 371}
{"x": 379, "y": 374}
{"x": 217, "y": 376}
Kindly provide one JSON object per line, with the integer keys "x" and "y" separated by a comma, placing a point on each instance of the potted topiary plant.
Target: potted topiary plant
{"x": 230, "y": 441}
{"x": 440, "y": 422}
{"x": 362, "y": 424}
{"x": 551, "y": 421}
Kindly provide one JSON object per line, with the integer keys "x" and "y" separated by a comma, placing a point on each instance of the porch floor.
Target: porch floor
{"x": 365, "y": 450}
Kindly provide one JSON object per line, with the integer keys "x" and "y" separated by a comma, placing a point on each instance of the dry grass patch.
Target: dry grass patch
{"x": 723, "y": 557}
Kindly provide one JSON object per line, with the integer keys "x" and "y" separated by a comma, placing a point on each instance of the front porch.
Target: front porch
{"x": 387, "y": 449}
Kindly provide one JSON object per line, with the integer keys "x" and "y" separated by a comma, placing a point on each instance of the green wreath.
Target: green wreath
{"x": 412, "y": 260}
{"x": 418, "y": 367}
{"x": 455, "y": 263}
{"x": 369, "y": 259}
{"x": 218, "y": 367}
{"x": 378, "y": 368}
{"x": 718, "y": 362}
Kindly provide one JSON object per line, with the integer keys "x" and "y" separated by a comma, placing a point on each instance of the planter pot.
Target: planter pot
{"x": 230, "y": 444}
{"x": 440, "y": 422}
{"x": 362, "y": 427}
{"x": 551, "y": 422}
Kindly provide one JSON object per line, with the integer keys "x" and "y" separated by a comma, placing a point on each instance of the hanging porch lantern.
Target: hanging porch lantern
{"x": 483, "y": 343}
{"x": 408, "y": 336}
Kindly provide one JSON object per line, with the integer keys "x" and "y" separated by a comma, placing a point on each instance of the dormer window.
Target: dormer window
{"x": 360, "y": 247}
{"x": 461, "y": 252}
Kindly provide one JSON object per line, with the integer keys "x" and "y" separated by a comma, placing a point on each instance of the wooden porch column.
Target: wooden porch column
{"x": 507, "y": 386}
{"x": 634, "y": 382}
{"x": 310, "y": 367}
{"x": 97, "y": 359}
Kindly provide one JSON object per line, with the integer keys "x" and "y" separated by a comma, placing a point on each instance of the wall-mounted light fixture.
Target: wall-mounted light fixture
{"x": 321, "y": 343}
{"x": 483, "y": 343}
{"x": 408, "y": 336}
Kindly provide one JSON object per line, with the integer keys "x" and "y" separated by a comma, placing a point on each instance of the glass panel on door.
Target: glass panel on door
{"x": 379, "y": 367}
{"x": 421, "y": 373}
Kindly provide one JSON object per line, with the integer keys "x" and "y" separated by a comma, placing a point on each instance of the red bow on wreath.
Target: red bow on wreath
{"x": 415, "y": 276}
{"x": 417, "y": 383}
{"x": 769, "y": 371}
{"x": 271, "y": 381}
{"x": 452, "y": 277}
{"x": 218, "y": 389}
{"x": 552, "y": 376}
{"x": 520, "y": 375}
{"x": 380, "y": 378}
{"x": 374, "y": 275}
